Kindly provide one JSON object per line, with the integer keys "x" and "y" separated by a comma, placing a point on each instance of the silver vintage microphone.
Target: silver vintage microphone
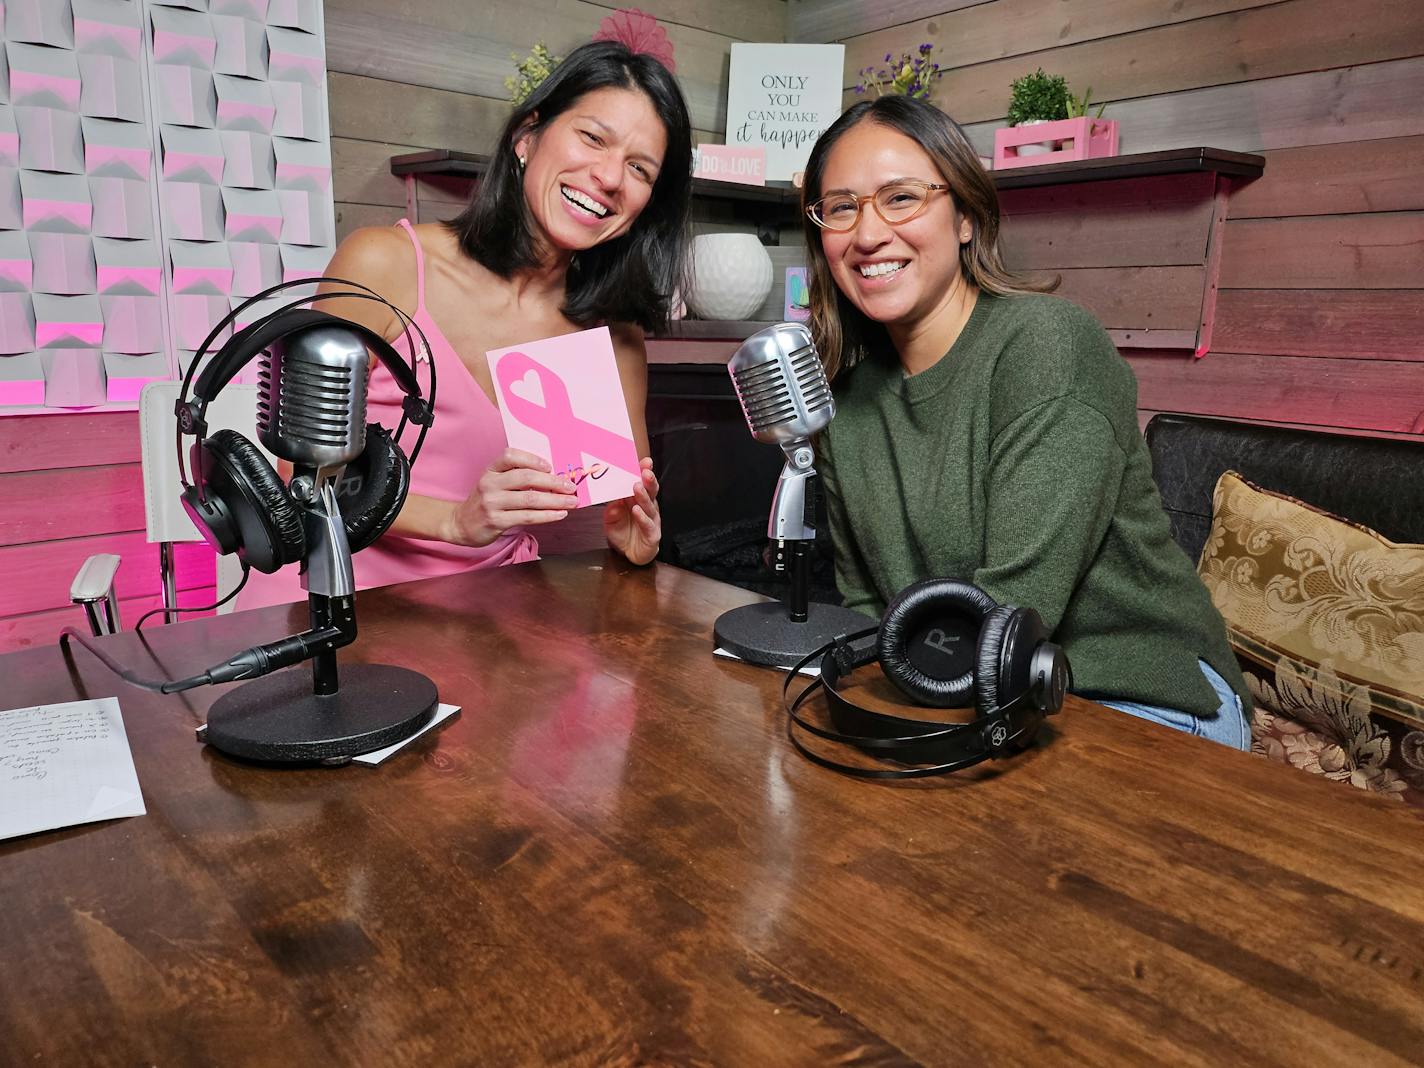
{"x": 311, "y": 412}
{"x": 785, "y": 398}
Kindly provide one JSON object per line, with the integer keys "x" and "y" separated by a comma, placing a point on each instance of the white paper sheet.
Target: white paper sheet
{"x": 65, "y": 764}
{"x": 442, "y": 713}
{"x": 812, "y": 669}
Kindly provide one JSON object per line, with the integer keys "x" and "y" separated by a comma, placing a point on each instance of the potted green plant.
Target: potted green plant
{"x": 1038, "y": 98}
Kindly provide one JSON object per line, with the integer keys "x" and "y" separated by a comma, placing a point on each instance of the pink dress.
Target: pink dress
{"x": 463, "y": 441}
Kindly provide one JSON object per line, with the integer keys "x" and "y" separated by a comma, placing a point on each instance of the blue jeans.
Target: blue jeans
{"x": 1228, "y": 726}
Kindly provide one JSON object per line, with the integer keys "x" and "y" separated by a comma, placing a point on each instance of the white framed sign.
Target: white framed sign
{"x": 782, "y": 97}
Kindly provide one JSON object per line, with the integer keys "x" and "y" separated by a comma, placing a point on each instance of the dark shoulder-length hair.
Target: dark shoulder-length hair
{"x": 632, "y": 278}
{"x": 843, "y": 334}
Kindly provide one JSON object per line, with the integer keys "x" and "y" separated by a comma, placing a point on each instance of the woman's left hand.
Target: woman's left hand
{"x": 633, "y": 525}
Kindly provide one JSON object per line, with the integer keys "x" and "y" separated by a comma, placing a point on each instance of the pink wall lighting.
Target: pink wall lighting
{"x": 192, "y": 155}
{"x": 132, "y": 267}
{"x": 302, "y": 165}
{"x": 110, "y": 29}
{"x": 252, "y": 215}
{"x": 43, "y": 77}
{"x": 27, "y": 392}
{"x": 199, "y": 267}
{"x": 183, "y": 37}
{"x": 244, "y": 104}
{"x": 16, "y": 267}
{"x": 68, "y": 322}
{"x": 299, "y": 262}
{"x": 57, "y": 202}
{"x": 295, "y": 57}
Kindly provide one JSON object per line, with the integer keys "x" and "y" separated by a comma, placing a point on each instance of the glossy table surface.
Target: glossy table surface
{"x": 613, "y": 856}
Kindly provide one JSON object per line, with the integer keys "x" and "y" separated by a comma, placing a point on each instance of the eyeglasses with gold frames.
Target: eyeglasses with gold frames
{"x": 896, "y": 203}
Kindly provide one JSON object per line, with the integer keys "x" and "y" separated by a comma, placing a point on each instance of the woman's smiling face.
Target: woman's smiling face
{"x": 590, "y": 172}
{"x": 896, "y": 275}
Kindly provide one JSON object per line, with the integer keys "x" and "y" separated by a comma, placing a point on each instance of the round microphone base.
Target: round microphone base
{"x": 764, "y": 634}
{"x": 278, "y": 720}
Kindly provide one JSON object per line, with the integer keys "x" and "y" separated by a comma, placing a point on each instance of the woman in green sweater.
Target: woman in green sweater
{"x": 988, "y": 432}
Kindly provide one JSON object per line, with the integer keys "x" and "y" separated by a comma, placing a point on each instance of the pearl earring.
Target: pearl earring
{"x": 521, "y": 161}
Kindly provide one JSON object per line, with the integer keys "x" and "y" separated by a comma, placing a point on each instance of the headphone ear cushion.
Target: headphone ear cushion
{"x": 989, "y": 681}
{"x": 373, "y": 488}
{"x": 909, "y": 627}
{"x": 268, "y": 519}
{"x": 1003, "y": 670}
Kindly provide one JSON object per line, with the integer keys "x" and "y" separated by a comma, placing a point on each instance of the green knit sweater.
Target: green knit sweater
{"x": 1016, "y": 463}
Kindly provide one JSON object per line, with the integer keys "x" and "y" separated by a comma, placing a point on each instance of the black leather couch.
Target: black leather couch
{"x": 1378, "y": 482}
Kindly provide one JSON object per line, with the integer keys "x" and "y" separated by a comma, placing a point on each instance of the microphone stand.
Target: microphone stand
{"x": 274, "y": 718}
{"x": 779, "y": 635}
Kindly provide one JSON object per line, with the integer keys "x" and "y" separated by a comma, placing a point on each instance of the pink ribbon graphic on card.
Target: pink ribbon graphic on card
{"x": 539, "y": 398}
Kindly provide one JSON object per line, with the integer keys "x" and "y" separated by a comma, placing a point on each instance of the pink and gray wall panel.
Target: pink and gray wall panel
{"x": 159, "y": 163}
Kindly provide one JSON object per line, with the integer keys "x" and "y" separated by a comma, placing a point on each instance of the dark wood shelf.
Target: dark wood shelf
{"x": 1138, "y": 165}
{"x": 449, "y": 163}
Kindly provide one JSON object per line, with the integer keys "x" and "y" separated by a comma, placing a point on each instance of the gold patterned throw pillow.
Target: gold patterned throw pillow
{"x": 1327, "y": 619}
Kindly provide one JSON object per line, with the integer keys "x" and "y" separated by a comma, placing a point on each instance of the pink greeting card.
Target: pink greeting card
{"x": 561, "y": 399}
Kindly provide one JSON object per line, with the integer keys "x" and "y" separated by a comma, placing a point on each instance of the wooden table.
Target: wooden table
{"x": 612, "y": 856}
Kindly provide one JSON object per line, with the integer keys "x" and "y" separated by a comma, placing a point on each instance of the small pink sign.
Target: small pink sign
{"x": 561, "y": 398}
{"x": 727, "y": 163}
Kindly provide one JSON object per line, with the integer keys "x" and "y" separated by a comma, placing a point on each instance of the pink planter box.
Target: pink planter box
{"x": 1081, "y": 138}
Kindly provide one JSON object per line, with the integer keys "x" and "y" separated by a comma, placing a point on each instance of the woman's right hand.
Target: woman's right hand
{"x": 518, "y": 490}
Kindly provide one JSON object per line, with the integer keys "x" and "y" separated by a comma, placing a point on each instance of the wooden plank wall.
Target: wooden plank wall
{"x": 70, "y": 485}
{"x": 1320, "y": 319}
{"x": 422, "y": 74}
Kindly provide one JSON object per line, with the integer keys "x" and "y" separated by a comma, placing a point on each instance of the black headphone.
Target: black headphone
{"x": 237, "y": 501}
{"x": 944, "y": 643}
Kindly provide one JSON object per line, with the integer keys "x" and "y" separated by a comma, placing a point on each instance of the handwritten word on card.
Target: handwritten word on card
{"x": 65, "y": 764}
{"x": 561, "y": 399}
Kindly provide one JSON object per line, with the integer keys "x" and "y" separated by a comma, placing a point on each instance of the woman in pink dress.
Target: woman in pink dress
{"x": 579, "y": 221}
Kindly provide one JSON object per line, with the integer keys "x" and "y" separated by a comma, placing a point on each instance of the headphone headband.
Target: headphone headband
{"x": 257, "y": 336}
{"x": 1013, "y": 673}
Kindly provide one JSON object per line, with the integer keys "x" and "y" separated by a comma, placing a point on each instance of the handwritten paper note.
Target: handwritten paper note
{"x": 65, "y": 764}
{"x": 561, "y": 398}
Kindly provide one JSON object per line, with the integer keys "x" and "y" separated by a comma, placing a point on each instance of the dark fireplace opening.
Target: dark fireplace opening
{"x": 717, "y": 483}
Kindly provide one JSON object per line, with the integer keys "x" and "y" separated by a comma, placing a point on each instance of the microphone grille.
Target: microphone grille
{"x": 781, "y": 384}
{"x": 311, "y": 404}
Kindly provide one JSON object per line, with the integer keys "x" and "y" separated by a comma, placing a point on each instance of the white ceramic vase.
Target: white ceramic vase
{"x": 731, "y": 276}
{"x": 1040, "y": 148}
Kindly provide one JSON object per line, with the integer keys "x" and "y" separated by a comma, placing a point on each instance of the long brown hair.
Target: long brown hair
{"x": 632, "y": 278}
{"x": 843, "y": 334}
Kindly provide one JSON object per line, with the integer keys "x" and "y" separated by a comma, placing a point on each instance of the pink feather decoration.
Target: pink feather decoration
{"x": 640, "y": 32}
